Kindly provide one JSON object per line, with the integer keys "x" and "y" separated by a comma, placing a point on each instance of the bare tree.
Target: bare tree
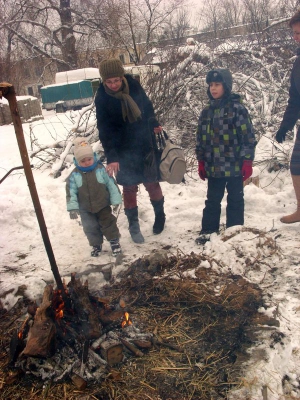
{"x": 233, "y": 13}
{"x": 177, "y": 25}
{"x": 132, "y": 22}
{"x": 212, "y": 17}
{"x": 259, "y": 12}
{"x": 49, "y": 28}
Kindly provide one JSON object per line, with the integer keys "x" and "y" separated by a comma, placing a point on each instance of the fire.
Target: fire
{"x": 59, "y": 312}
{"x": 126, "y": 320}
{"x": 20, "y": 333}
{"x": 58, "y": 305}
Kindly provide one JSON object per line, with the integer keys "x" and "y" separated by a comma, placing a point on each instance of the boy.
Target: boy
{"x": 90, "y": 192}
{"x": 225, "y": 145}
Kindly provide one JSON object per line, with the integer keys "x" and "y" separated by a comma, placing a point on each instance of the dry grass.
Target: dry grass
{"x": 204, "y": 324}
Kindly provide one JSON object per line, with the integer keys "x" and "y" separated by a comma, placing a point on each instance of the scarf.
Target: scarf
{"x": 129, "y": 107}
{"x": 87, "y": 169}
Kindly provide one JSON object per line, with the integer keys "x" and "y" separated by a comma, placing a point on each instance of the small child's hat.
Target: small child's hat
{"x": 82, "y": 149}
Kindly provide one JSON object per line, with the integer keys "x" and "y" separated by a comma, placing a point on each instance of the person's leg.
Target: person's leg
{"x": 212, "y": 210}
{"x": 108, "y": 223}
{"x": 235, "y": 202}
{"x": 130, "y": 196}
{"x": 157, "y": 201}
{"x": 131, "y": 211}
{"x": 92, "y": 231}
{"x": 295, "y": 173}
{"x": 154, "y": 191}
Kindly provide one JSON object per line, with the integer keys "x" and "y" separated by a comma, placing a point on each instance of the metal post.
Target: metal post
{"x": 11, "y": 170}
{"x": 7, "y": 90}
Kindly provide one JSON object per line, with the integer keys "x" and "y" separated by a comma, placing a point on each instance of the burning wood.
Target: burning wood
{"x": 212, "y": 330}
{"x": 41, "y": 336}
{"x": 88, "y": 318}
{"x": 89, "y": 334}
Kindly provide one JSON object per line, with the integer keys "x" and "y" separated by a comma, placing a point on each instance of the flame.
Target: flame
{"x": 20, "y": 333}
{"x": 59, "y": 312}
{"x": 58, "y": 305}
{"x": 126, "y": 320}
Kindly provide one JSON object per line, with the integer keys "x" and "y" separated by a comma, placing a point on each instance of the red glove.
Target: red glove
{"x": 201, "y": 170}
{"x": 246, "y": 169}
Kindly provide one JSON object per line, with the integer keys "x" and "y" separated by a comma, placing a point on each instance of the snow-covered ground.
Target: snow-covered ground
{"x": 24, "y": 260}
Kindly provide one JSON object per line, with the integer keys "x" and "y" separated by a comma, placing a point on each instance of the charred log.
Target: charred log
{"x": 87, "y": 316}
{"x": 41, "y": 336}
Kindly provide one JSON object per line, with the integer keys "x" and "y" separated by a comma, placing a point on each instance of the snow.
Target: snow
{"x": 24, "y": 260}
{"x": 77, "y": 75}
{"x": 4, "y": 101}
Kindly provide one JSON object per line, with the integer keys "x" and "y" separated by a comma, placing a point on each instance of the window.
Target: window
{"x": 131, "y": 58}
{"x": 30, "y": 90}
{"x": 122, "y": 58}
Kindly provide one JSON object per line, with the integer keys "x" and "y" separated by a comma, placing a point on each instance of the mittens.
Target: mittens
{"x": 74, "y": 214}
{"x": 280, "y": 135}
{"x": 201, "y": 170}
{"x": 246, "y": 169}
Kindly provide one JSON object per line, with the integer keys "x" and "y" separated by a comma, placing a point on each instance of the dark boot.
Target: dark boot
{"x": 160, "y": 216}
{"x": 134, "y": 226}
{"x": 204, "y": 236}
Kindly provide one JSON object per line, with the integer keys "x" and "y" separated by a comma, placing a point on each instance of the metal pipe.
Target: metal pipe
{"x": 11, "y": 170}
{"x": 7, "y": 90}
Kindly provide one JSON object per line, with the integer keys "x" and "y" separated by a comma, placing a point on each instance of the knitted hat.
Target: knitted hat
{"x": 82, "y": 149}
{"x": 220, "y": 75}
{"x": 111, "y": 68}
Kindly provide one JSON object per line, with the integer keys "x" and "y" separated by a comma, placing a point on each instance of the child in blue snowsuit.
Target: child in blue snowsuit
{"x": 90, "y": 193}
{"x": 225, "y": 145}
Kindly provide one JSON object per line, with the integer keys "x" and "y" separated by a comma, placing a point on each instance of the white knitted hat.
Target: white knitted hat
{"x": 82, "y": 149}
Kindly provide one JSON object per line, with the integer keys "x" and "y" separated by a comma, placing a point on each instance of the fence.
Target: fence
{"x": 29, "y": 109}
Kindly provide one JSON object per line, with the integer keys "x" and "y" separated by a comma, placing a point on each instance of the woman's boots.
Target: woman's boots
{"x": 133, "y": 220}
{"x": 160, "y": 218}
{"x": 295, "y": 217}
{"x": 134, "y": 226}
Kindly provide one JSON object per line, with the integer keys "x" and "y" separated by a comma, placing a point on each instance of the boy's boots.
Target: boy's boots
{"x": 295, "y": 217}
{"x": 134, "y": 226}
{"x": 160, "y": 217}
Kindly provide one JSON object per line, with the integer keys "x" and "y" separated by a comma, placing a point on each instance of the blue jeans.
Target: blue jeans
{"x": 235, "y": 203}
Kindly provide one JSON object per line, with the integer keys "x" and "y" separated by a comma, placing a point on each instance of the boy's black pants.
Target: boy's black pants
{"x": 235, "y": 203}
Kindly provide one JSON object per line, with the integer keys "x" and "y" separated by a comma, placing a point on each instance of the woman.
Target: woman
{"x": 290, "y": 117}
{"x": 126, "y": 122}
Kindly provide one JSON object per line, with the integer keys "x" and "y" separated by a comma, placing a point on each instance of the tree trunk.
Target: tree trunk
{"x": 68, "y": 41}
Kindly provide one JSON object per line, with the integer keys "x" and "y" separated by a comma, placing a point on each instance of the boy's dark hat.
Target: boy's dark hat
{"x": 220, "y": 75}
